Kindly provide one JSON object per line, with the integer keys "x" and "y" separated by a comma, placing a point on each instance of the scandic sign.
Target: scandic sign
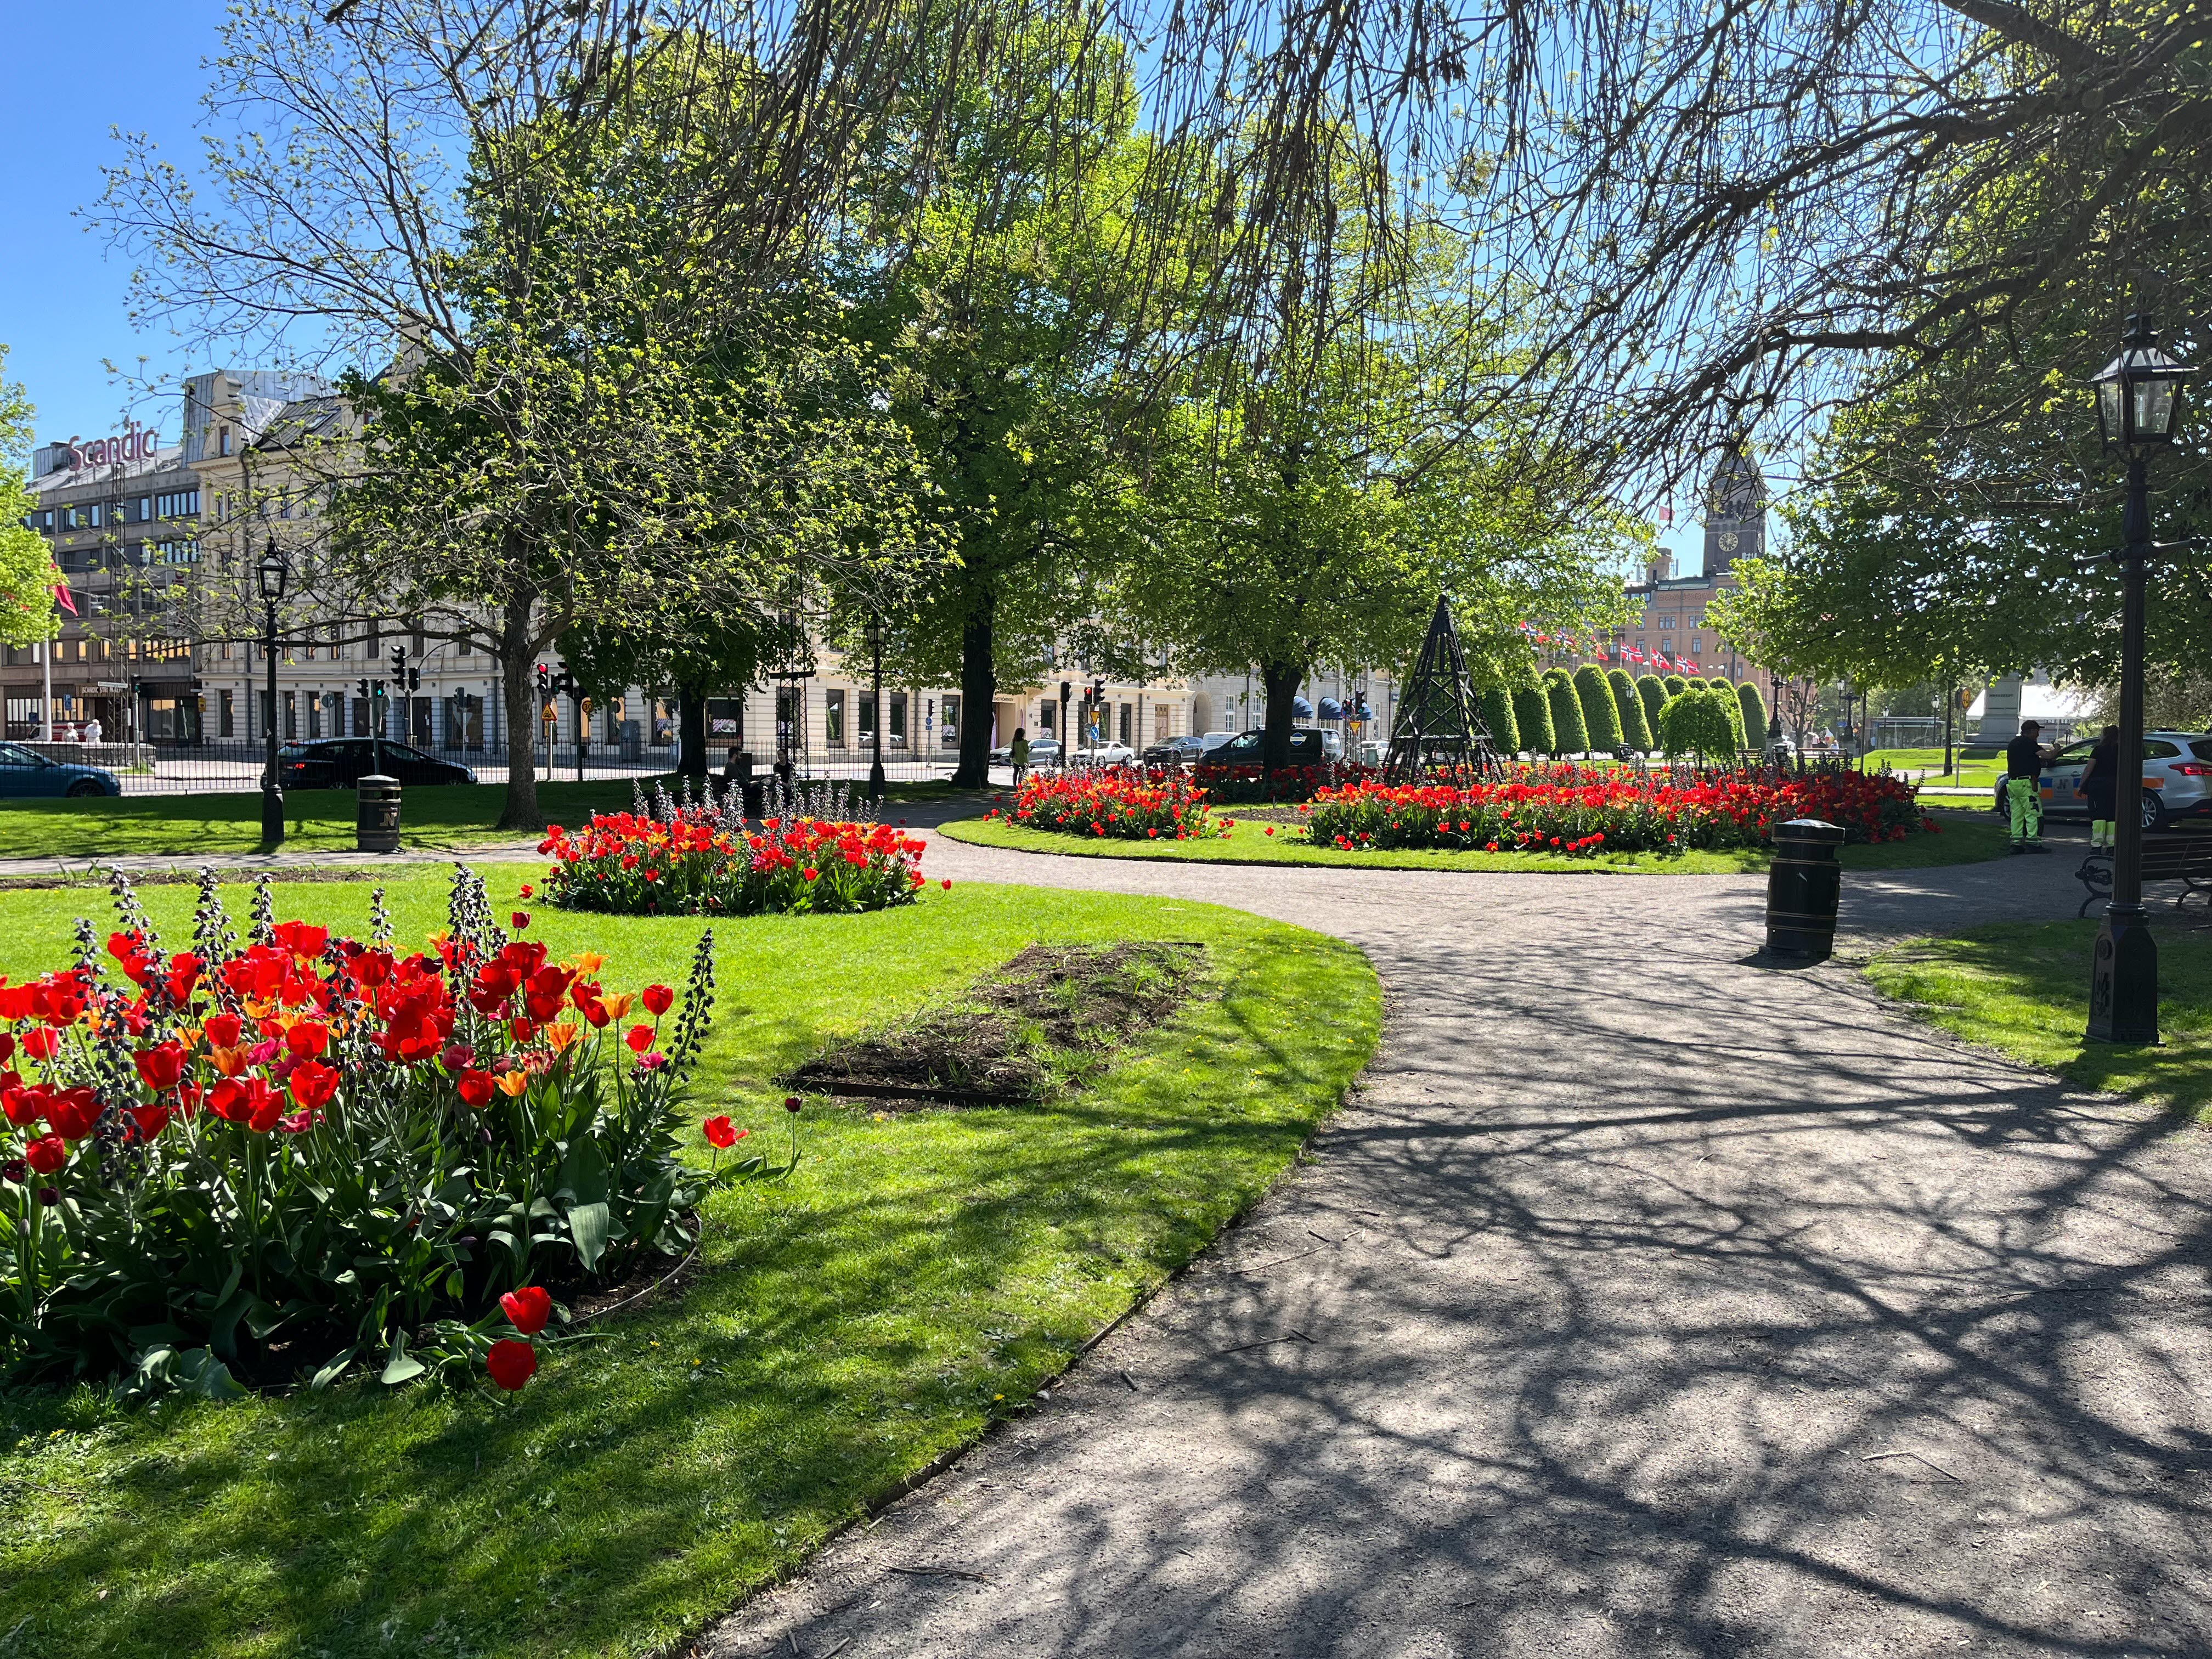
{"x": 136, "y": 444}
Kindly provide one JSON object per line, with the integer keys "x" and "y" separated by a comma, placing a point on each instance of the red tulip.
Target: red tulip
{"x": 307, "y": 1039}
{"x": 658, "y": 1000}
{"x": 46, "y": 1154}
{"x": 719, "y": 1132}
{"x": 41, "y": 1043}
{"x": 640, "y": 1038}
{"x": 511, "y": 1363}
{"x": 73, "y": 1111}
{"x": 221, "y": 1030}
{"x": 519, "y": 919}
{"x": 527, "y": 1309}
{"x": 476, "y": 1086}
{"x": 159, "y": 1069}
{"x": 313, "y": 1083}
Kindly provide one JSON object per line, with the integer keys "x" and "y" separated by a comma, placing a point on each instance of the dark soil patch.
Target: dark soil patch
{"x": 1049, "y": 1017}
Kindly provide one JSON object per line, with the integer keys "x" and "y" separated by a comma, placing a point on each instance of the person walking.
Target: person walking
{"x": 1019, "y": 752}
{"x": 92, "y": 730}
{"x": 2024, "y": 759}
{"x": 2100, "y": 784}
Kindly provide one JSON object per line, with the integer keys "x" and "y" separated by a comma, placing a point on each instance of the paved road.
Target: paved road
{"x": 1646, "y": 1301}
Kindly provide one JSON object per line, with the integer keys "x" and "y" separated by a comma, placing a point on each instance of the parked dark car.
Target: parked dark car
{"x": 342, "y": 763}
{"x": 1309, "y": 747}
{"x": 1176, "y": 751}
{"x": 26, "y": 775}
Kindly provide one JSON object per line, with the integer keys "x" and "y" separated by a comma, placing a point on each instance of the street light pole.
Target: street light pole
{"x": 270, "y": 575}
{"x": 2138, "y": 401}
{"x": 2124, "y": 971}
{"x": 876, "y": 692}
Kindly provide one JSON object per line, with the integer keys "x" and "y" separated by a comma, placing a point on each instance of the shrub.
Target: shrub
{"x": 1653, "y": 695}
{"x": 1532, "y": 718}
{"x": 1695, "y": 722}
{"x": 1579, "y": 811}
{"x": 1600, "y": 718}
{"x": 306, "y": 1151}
{"x": 1635, "y": 728}
{"x": 1754, "y": 715}
{"x": 1723, "y": 693}
{"x": 1498, "y": 715}
{"x": 1116, "y": 802}
{"x": 703, "y": 861}
{"x": 1674, "y": 683}
{"x": 1568, "y": 735}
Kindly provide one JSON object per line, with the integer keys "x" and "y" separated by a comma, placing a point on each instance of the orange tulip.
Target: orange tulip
{"x": 562, "y": 1035}
{"x": 512, "y": 1084}
{"x": 618, "y": 1005}
{"x": 229, "y": 1062}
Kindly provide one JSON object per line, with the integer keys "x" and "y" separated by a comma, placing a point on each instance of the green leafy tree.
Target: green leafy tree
{"x": 1652, "y": 693}
{"x": 1600, "y": 718}
{"x": 1497, "y": 703}
{"x": 1568, "y": 735}
{"x": 1754, "y": 715}
{"x": 1532, "y": 719}
{"x": 1635, "y": 724}
{"x": 1722, "y": 694}
{"x": 28, "y": 576}
{"x": 1693, "y": 722}
{"x": 1674, "y": 684}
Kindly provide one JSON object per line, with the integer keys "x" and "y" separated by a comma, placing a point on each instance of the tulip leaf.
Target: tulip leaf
{"x": 589, "y": 1225}
{"x": 400, "y": 1366}
{"x": 197, "y": 1371}
{"x": 332, "y": 1370}
{"x": 584, "y": 1173}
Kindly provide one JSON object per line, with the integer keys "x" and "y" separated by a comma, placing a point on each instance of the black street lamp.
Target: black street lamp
{"x": 271, "y": 575}
{"x": 2138, "y": 403}
{"x": 876, "y": 693}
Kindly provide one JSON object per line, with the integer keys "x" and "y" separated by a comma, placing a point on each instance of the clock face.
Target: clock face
{"x": 1728, "y": 539}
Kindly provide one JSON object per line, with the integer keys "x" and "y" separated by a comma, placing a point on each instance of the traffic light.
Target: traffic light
{"x": 399, "y": 667}
{"x": 414, "y": 679}
{"x": 363, "y": 683}
{"x": 544, "y": 683}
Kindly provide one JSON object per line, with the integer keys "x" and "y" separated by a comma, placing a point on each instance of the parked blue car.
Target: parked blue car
{"x": 26, "y": 775}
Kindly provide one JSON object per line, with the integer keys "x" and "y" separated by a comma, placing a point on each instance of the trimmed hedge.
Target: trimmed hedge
{"x": 1498, "y": 715}
{"x": 1601, "y": 719}
{"x": 1635, "y": 725}
{"x": 1532, "y": 718}
{"x": 1754, "y": 715}
{"x": 1568, "y": 735}
{"x": 1653, "y": 695}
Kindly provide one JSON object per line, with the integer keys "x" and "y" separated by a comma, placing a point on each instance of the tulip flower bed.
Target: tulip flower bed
{"x": 1579, "y": 812}
{"x": 1117, "y": 803}
{"x": 917, "y": 1277}
{"x": 292, "y": 1153}
{"x": 702, "y": 860}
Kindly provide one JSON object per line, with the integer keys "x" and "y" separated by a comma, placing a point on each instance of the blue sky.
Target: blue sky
{"x": 73, "y": 75}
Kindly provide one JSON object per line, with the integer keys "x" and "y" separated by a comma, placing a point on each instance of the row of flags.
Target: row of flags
{"x": 1655, "y": 658}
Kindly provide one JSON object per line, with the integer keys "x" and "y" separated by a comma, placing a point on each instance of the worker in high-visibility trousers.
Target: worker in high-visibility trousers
{"x": 2024, "y": 758}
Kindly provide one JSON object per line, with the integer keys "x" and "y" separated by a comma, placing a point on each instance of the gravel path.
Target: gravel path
{"x": 1646, "y": 1301}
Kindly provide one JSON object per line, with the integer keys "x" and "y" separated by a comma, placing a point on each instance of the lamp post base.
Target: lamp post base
{"x": 2124, "y": 979}
{"x": 272, "y": 815}
{"x": 876, "y": 781}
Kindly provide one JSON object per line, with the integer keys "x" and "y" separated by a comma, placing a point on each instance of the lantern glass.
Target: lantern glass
{"x": 2154, "y": 400}
{"x": 272, "y": 573}
{"x": 2109, "y": 411}
{"x": 2139, "y": 392}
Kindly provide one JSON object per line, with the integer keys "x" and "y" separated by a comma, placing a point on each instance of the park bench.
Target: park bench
{"x": 2176, "y": 855}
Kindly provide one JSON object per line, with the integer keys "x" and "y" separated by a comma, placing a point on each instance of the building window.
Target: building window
{"x": 865, "y": 727}
{"x": 291, "y": 714}
{"x": 898, "y": 736}
{"x": 1044, "y": 718}
{"x": 952, "y": 722}
{"x": 225, "y": 441}
{"x": 833, "y": 718}
{"x": 1128, "y": 719}
{"x": 228, "y": 714}
{"x": 1667, "y": 622}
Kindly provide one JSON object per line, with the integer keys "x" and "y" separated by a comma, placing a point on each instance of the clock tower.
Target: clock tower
{"x": 1735, "y": 513}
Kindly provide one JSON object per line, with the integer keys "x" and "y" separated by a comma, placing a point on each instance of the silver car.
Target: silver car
{"x": 2177, "y": 777}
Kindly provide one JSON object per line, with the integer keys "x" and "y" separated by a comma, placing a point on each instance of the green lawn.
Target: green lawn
{"x": 1927, "y": 765}
{"x": 1965, "y": 838}
{"x": 2023, "y": 987}
{"x": 850, "y": 1326}
{"x": 317, "y": 820}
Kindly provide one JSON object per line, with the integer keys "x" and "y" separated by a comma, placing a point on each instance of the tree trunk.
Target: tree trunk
{"x": 518, "y": 663}
{"x": 979, "y": 689}
{"x": 1281, "y": 682}
{"x": 691, "y": 734}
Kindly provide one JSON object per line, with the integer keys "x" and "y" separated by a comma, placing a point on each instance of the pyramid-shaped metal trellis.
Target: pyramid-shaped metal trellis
{"x": 1440, "y": 725}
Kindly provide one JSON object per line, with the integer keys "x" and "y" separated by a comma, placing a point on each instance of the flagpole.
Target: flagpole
{"x": 47, "y": 706}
